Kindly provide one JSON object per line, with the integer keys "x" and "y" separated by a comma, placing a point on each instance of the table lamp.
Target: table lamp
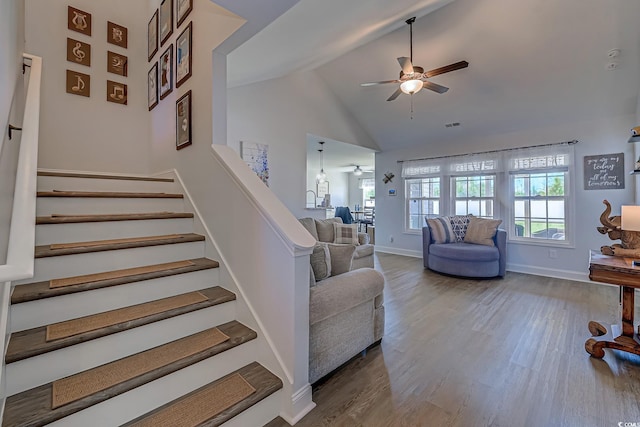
{"x": 631, "y": 222}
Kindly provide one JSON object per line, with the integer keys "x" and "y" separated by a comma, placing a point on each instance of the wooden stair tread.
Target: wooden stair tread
{"x": 100, "y": 176}
{"x": 39, "y": 290}
{"x": 109, "y": 194}
{"x": 72, "y": 219}
{"x": 33, "y": 407}
{"x": 32, "y": 342}
{"x": 265, "y": 383}
{"x": 44, "y": 251}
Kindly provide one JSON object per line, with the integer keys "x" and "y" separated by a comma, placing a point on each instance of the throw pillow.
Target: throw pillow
{"x": 310, "y": 225}
{"x": 321, "y": 261}
{"x": 341, "y": 256}
{"x": 325, "y": 229}
{"x": 459, "y": 223}
{"x": 441, "y": 231}
{"x": 481, "y": 231}
{"x": 345, "y": 233}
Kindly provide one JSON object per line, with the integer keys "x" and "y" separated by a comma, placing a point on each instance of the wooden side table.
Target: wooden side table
{"x": 616, "y": 271}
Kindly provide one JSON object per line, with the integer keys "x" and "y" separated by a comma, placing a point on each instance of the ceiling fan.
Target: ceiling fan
{"x": 413, "y": 78}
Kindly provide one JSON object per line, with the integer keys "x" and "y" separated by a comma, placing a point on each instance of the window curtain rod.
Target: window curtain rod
{"x": 575, "y": 141}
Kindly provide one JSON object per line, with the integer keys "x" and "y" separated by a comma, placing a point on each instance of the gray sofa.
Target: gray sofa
{"x": 465, "y": 259}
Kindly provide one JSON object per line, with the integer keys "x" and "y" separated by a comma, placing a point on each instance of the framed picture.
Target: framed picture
{"x": 152, "y": 35}
{"x": 166, "y": 20}
{"x": 117, "y": 64}
{"x": 117, "y": 92}
{"x": 322, "y": 189}
{"x": 183, "y": 55}
{"x": 117, "y": 34}
{"x": 152, "y": 87}
{"x": 79, "y": 20}
{"x": 183, "y": 8}
{"x": 78, "y": 52}
{"x": 183, "y": 121}
{"x": 256, "y": 156}
{"x": 78, "y": 83}
{"x": 165, "y": 70}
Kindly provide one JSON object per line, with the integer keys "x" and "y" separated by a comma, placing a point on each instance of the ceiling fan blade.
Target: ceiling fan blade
{"x": 395, "y": 95}
{"x": 379, "y": 83}
{"x": 405, "y": 63}
{"x": 447, "y": 69}
{"x": 434, "y": 87}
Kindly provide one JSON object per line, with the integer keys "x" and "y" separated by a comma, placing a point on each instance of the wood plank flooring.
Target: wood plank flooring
{"x": 500, "y": 353}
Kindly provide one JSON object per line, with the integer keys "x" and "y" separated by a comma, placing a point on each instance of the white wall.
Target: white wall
{"x": 280, "y": 113}
{"x": 90, "y": 133}
{"x": 596, "y": 137}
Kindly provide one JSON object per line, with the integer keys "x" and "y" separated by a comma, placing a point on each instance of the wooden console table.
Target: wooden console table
{"x": 616, "y": 271}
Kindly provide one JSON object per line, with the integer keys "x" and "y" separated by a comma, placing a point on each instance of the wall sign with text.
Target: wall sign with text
{"x": 604, "y": 172}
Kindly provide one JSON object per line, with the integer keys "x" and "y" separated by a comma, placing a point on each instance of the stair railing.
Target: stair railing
{"x": 19, "y": 263}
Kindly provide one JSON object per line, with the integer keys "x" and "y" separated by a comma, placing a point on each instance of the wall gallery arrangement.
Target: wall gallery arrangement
{"x": 79, "y": 52}
{"x": 256, "y": 157}
{"x": 160, "y": 78}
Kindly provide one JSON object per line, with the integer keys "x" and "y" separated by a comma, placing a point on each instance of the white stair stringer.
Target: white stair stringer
{"x": 50, "y": 183}
{"x": 259, "y": 414}
{"x": 132, "y": 404}
{"x": 61, "y": 266}
{"x": 46, "y": 311}
{"x": 34, "y": 371}
{"x": 105, "y": 205}
{"x": 65, "y": 233}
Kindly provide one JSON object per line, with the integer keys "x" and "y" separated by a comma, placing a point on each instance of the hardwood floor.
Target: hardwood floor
{"x": 505, "y": 352}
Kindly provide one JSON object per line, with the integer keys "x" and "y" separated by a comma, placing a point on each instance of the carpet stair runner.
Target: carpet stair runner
{"x": 235, "y": 390}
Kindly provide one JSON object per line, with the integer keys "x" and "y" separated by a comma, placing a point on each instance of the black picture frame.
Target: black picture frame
{"x": 165, "y": 72}
{"x": 184, "y": 50}
{"x": 183, "y": 121}
{"x": 152, "y": 36}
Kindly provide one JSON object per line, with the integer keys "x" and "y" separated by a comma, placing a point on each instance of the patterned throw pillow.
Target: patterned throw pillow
{"x": 345, "y": 233}
{"x": 481, "y": 231}
{"x": 321, "y": 261}
{"x": 459, "y": 223}
{"x": 441, "y": 230}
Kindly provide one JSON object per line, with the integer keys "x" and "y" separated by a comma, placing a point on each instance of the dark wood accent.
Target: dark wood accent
{"x": 32, "y": 342}
{"x": 41, "y": 290}
{"x": 109, "y": 194}
{"x": 446, "y": 69}
{"x": 277, "y": 422}
{"x": 33, "y": 407}
{"x": 255, "y": 374}
{"x": 616, "y": 271}
{"x": 44, "y": 251}
{"x": 72, "y": 219}
{"x": 98, "y": 176}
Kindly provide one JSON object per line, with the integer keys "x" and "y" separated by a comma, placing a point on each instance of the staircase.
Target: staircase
{"x": 125, "y": 321}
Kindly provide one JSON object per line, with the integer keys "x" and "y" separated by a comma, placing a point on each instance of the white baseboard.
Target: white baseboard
{"x": 578, "y": 276}
{"x": 398, "y": 251}
{"x": 301, "y": 405}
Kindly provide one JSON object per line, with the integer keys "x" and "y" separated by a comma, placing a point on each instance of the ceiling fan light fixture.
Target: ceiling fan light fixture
{"x": 357, "y": 171}
{"x": 411, "y": 86}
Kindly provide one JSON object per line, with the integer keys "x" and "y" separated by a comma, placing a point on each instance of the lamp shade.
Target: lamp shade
{"x": 630, "y": 218}
{"x": 357, "y": 171}
{"x": 411, "y": 86}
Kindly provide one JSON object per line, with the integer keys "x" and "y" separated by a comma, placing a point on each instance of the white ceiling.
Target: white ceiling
{"x": 533, "y": 63}
{"x": 339, "y": 156}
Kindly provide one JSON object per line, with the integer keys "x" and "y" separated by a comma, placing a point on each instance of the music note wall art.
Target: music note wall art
{"x": 117, "y": 34}
{"x": 78, "y": 83}
{"x": 116, "y": 92}
{"x": 78, "y": 52}
{"x": 117, "y": 64}
{"x": 79, "y": 20}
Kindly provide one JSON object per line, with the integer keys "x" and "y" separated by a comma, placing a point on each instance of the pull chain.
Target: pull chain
{"x": 411, "y": 106}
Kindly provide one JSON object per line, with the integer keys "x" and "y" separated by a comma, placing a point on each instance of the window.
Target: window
{"x": 423, "y": 199}
{"x": 474, "y": 195}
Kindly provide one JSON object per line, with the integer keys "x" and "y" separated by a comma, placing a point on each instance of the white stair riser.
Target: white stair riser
{"x": 97, "y": 262}
{"x": 141, "y": 400}
{"x": 42, "y": 369}
{"x": 87, "y": 231}
{"x": 99, "y": 205}
{"x": 259, "y": 414}
{"x": 50, "y": 183}
{"x": 42, "y": 312}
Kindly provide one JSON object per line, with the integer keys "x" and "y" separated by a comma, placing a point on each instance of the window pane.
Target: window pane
{"x": 414, "y": 207}
{"x": 487, "y": 208}
{"x": 539, "y": 185}
{"x": 474, "y": 207}
{"x": 556, "y": 184}
{"x": 461, "y": 207}
{"x": 461, "y": 187}
{"x": 474, "y": 187}
{"x": 556, "y": 209}
{"x": 519, "y": 208}
{"x": 435, "y": 189}
{"x": 538, "y": 209}
{"x": 521, "y": 185}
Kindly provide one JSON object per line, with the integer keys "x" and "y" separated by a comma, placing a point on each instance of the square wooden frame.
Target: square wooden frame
{"x": 166, "y": 58}
{"x": 152, "y": 84}
{"x": 181, "y": 16}
{"x": 185, "y": 100}
{"x": 111, "y": 26}
{"x": 79, "y": 21}
{"x": 166, "y": 17}
{"x": 152, "y": 36}
{"x": 186, "y": 37}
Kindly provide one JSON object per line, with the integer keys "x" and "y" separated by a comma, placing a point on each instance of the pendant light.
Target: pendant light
{"x": 357, "y": 171}
{"x": 321, "y": 177}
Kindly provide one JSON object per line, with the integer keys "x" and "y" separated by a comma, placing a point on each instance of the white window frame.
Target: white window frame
{"x": 409, "y": 199}
{"x": 455, "y": 198}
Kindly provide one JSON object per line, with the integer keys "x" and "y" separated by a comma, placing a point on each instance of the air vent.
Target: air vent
{"x": 452, "y": 125}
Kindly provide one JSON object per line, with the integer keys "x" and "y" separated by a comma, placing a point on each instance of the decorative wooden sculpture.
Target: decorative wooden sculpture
{"x": 630, "y": 240}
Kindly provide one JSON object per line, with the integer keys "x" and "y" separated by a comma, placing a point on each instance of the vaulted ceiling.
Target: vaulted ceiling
{"x": 533, "y": 63}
